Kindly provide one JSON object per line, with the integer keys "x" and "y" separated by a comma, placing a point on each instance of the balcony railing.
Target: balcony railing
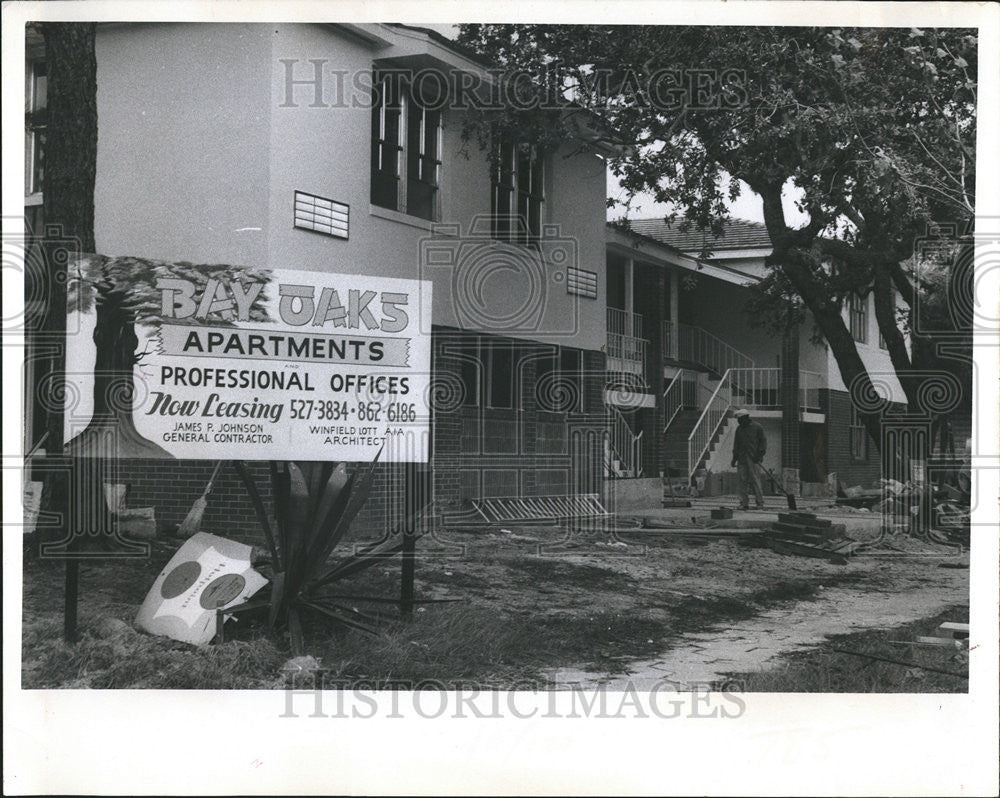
{"x": 625, "y": 347}
{"x": 810, "y": 383}
{"x": 668, "y": 334}
{"x": 625, "y": 341}
{"x": 761, "y": 388}
{"x": 756, "y": 388}
{"x": 622, "y": 322}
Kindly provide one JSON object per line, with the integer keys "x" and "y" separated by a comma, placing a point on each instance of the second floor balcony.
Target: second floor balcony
{"x": 626, "y": 349}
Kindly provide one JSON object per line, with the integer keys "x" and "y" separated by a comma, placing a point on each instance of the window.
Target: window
{"x": 518, "y": 193}
{"x": 386, "y": 145}
{"x": 423, "y": 160}
{"x": 35, "y": 99}
{"x": 859, "y": 436}
{"x": 406, "y": 141}
{"x": 858, "y": 311}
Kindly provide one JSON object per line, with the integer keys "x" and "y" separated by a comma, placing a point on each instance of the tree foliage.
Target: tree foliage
{"x": 872, "y": 129}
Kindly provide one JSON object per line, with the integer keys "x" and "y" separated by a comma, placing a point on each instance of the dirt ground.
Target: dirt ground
{"x": 558, "y": 605}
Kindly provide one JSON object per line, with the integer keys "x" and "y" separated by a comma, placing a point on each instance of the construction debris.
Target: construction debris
{"x": 806, "y": 535}
{"x": 953, "y": 630}
{"x": 520, "y": 509}
{"x": 206, "y": 574}
{"x": 675, "y": 492}
{"x": 948, "y": 635}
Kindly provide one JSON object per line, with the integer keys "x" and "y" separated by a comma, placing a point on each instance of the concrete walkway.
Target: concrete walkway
{"x": 697, "y": 659}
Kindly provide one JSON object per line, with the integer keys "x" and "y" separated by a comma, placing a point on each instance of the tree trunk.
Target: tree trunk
{"x": 68, "y": 211}
{"x": 797, "y": 262}
{"x": 885, "y": 315}
{"x": 71, "y": 143}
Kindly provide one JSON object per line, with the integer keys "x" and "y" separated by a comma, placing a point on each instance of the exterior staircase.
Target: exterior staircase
{"x": 622, "y": 448}
{"x": 675, "y": 442}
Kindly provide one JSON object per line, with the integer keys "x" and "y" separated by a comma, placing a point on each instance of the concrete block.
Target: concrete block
{"x": 956, "y": 631}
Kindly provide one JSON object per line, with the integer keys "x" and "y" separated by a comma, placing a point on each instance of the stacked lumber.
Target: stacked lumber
{"x": 806, "y": 535}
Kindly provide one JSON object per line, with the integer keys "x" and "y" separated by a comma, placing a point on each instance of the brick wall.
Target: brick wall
{"x": 851, "y": 471}
{"x": 172, "y": 487}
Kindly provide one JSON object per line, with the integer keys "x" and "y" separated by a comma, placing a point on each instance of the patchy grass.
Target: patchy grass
{"x": 826, "y": 670}
{"x": 557, "y": 572}
{"x": 456, "y": 643}
{"x": 124, "y": 658}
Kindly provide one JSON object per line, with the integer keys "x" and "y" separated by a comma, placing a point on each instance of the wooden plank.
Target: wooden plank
{"x": 804, "y": 519}
{"x": 797, "y": 533}
{"x": 945, "y": 642}
{"x": 787, "y": 547}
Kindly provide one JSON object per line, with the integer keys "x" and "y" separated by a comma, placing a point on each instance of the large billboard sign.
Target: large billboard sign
{"x": 173, "y": 360}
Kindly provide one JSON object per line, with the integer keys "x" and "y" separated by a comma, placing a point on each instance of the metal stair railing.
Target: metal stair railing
{"x": 673, "y": 399}
{"x": 715, "y": 412}
{"x": 626, "y": 446}
{"x": 698, "y": 345}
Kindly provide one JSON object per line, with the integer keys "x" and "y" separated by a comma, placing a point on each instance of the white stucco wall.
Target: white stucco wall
{"x": 182, "y": 142}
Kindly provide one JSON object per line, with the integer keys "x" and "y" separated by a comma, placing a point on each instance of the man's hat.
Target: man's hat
{"x": 742, "y": 412}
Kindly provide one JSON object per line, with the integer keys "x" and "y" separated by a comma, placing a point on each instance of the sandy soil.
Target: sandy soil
{"x": 640, "y": 604}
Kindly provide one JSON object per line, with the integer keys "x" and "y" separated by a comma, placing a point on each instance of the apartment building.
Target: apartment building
{"x": 340, "y": 148}
{"x": 679, "y": 324}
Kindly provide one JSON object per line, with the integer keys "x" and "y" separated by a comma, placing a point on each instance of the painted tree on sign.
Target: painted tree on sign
{"x": 122, "y": 293}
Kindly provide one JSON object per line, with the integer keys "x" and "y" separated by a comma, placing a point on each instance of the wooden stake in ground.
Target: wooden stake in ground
{"x": 192, "y": 522}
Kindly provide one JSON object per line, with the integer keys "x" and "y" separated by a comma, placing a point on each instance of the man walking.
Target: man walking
{"x": 749, "y": 447}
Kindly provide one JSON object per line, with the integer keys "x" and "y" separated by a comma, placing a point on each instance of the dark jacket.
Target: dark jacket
{"x": 750, "y": 442}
